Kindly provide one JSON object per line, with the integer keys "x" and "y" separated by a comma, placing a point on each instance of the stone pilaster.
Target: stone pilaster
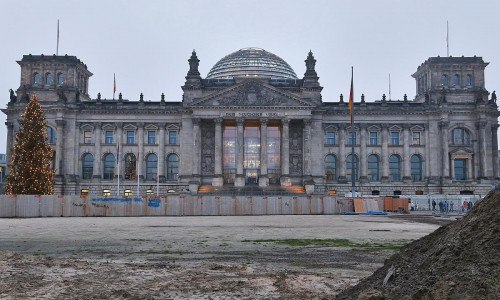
{"x": 363, "y": 163}
{"x": 482, "y": 150}
{"x": 59, "y": 151}
{"x": 443, "y": 126}
{"x": 218, "y": 180}
{"x": 239, "y": 181}
{"x": 342, "y": 165}
{"x": 119, "y": 142}
{"x": 406, "y": 154}
{"x": 263, "y": 178}
{"x": 307, "y": 149}
{"x": 97, "y": 155}
{"x": 494, "y": 149}
{"x": 161, "y": 152}
{"x": 140, "y": 143}
{"x": 385, "y": 153}
{"x": 285, "y": 153}
{"x": 10, "y": 142}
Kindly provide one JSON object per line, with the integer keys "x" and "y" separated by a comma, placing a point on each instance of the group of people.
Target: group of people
{"x": 445, "y": 207}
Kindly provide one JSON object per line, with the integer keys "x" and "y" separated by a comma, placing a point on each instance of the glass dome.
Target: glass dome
{"x": 254, "y": 62}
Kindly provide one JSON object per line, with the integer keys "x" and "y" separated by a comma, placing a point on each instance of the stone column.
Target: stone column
{"x": 406, "y": 154}
{"x": 10, "y": 143}
{"x": 239, "y": 181}
{"x": 218, "y": 179}
{"x": 363, "y": 163}
{"x": 97, "y": 155}
{"x": 161, "y": 153}
{"x": 385, "y": 153}
{"x": 427, "y": 158}
{"x": 263, "y": 178}
{"x": 444, "y": 149}
{"x": 59, "y": 150}
{"x": 307, "y": 150}
{"x": 342, "y": 166}
{"x": 285, "y": 153}
{"x": 494, "y": 149}
{"x": 119, "y": 142}
{"x": 482, "y": 150}
{"x": 140, "y": 143}
{"x": 196, "y": 148}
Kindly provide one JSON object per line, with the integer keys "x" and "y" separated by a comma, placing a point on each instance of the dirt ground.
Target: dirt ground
{"x": 245, "y": 257}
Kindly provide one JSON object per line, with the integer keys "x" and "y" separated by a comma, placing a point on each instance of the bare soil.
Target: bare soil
{"x": 253, "y": 257}
{"x": 460, "y": 260}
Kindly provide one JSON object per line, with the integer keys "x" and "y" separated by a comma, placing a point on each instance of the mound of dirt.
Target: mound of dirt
{"x": 458, "y": 261}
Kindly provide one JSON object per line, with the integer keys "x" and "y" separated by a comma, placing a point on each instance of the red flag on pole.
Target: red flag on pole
{"x": 351, "y": 94}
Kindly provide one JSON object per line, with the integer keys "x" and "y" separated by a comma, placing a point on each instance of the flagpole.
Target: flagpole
{"x": 157, "y": 177}
{"x": 118, "y": 159}
{"x": 351, "y": 100}
{"x": 447, "y": 40}
{"x": 137, "y": 169}
{"x": 114, "y": 86}
{"x": 57, "y": 48}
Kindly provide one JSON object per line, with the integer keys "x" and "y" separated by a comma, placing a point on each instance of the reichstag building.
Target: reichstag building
{"x": 251, "y": 122}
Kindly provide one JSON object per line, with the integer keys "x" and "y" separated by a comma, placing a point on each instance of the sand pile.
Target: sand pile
{"x": 458, "y": 261}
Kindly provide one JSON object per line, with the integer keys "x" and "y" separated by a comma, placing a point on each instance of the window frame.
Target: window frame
{"x": 130, "y": 137}
{"x": 395, "y": 139}
{"x": 330, "y": 165}
{"x": 150, "y": 167}
{"x": 108, "y": 137}
{"x": 87, "y": 137}
{"x": 373, "y": 176}
{"x": 172, "y": 136}
{"x": 172, "y": 166}
{"x": 393, "y": 175}
{"x": 151, "y": 137}
{"x": 416, "y": 141}
{"x": 330, "y": 137}
{"x": 416, "y": 176}
{"x": 373, "y": 140}
{"x": 60, "y": 78}
{"x": 87, "y": 166}
{"x": 108, "y": 172}
{"x": 351, "y": 138}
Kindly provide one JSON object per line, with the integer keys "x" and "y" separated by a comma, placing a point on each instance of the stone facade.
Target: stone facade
{"x": 256, "y": 130}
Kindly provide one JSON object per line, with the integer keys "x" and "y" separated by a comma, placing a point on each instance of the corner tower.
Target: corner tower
{"x": 451, "y": 79}
{"x": 52, "y": 78}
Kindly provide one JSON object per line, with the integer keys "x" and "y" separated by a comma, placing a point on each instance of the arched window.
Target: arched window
{"x": 87, "y": 166}
{"x": 395, "y": 167}
{"x": 444, "y": 79}
{"x": 51, "y": 134}
{"x": 461, "y": 136}
{"x": 109, "y": 166}
{"x": 456, "y": 79}
{"x": 130, "y": 166}
{"x": 373, "y": 168}
{"x": 416, "y": 168}
{"x": 151, "y": 166}
{"x": 36, "y": 78}
{"x": 468, "y": 80}
{"x": 172, "y": 166}
{"x": 348, "y": 165}
{"x": 48, "y": 78}
{"x": 60, "y": 78}
{"x": 330, "y": 167}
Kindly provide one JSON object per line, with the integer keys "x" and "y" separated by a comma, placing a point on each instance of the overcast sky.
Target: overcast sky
{"x": 147, "y": 43}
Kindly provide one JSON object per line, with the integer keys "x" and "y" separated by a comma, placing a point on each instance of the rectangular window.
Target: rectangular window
{"x": 373, "y": 138}
{"x": 460, "y": 169}
{"x": 130, "y": 137}
{"x": 172, "y": 137}
{"x": 415, "y": 139}
{"x": 109, "y": 137}
{"x": 351, "y": 138}
{"x": 151, "y": 137}
{"x": 330, "y": 138}
{"x": 395, "y": 138}
{"x": 87, "y": 137}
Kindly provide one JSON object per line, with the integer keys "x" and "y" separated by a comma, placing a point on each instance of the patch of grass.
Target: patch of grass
{"x": 109, "y": 256}
{"x": 393, "y": 245}
{"x": 379, "y": 230}
{"x": 306, "y": 242}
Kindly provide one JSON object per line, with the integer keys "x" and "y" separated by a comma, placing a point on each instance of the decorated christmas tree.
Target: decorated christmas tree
{"x": 30, "y": 171}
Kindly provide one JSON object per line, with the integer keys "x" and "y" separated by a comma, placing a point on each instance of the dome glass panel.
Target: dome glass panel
{"x": 251, "y": 62}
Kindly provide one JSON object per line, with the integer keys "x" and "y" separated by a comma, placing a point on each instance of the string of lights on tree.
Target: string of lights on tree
{"x": 30, "y": 170}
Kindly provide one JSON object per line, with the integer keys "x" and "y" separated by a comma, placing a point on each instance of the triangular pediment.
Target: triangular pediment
{"x": 462, "y": 151}
{"x": 251, "y": 93}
